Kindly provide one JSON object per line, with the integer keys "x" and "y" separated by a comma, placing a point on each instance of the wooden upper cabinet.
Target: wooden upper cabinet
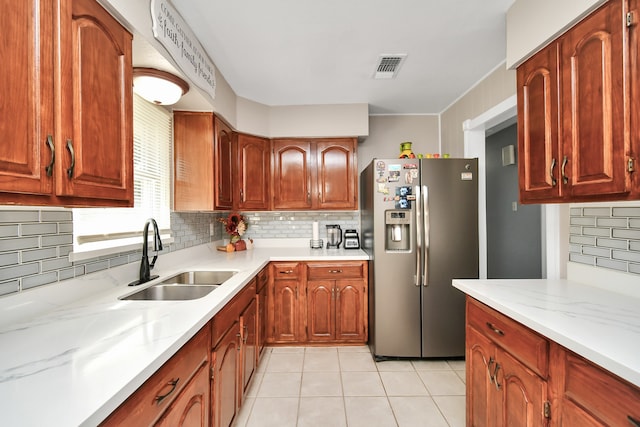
{"x": 314, "y": 174}
{"x": 292, "y": 174}
{"x": 223, "y": 164}
{"x": 68, "y": 90}
{"x": 252, "y": 173}
{"x": 26, "y": 108}
{"x": 577, "y": 112}
{"x": 97, "y": 107}
{"x": 592, "y": 101}
{"x": 193, "y": 161}
{"x": 538, "y": 144}
{"x": 336, "y": 174}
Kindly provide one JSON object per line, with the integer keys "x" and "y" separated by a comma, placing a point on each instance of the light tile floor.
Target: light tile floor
{"x": 344, "y": 386}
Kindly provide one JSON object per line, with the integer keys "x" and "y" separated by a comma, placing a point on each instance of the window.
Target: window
{"x": 110, "y": 230}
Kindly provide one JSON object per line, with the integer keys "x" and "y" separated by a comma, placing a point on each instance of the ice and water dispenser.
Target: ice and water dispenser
{"x": 398, "y": 230}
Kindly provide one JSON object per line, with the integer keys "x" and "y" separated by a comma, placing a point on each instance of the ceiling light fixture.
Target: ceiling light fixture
{"x": 157, "y": 86}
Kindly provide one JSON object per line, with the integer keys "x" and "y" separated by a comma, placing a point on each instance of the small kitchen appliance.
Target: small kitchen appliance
{"x": 334, "y": 236}
{"x": 351, "y": 239}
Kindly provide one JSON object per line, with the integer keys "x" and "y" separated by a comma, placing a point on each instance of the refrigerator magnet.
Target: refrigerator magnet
{"x": 466, "y": 176}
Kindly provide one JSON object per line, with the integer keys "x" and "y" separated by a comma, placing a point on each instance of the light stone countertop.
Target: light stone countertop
{"x": 596, "y": 323}
{"x": 72, "y": 352}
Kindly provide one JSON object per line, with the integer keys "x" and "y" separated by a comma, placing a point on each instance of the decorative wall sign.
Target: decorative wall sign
{"x": 177, "y": 38}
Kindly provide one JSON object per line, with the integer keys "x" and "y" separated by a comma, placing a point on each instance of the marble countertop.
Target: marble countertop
{"x": 72, "y": 352}
{"x": 596, "y": 323}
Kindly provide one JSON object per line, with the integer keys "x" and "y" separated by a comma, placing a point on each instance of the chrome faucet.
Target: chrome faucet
{"x": 145, "y": 267}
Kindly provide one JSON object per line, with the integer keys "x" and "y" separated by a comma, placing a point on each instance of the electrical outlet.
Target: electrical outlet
{"x": 514, "y": 206}
{"x": 211, "y": 229}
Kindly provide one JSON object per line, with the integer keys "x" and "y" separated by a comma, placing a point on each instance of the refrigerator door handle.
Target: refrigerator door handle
{"x": 425, "y": 209}
{"x": 418, "y": 251}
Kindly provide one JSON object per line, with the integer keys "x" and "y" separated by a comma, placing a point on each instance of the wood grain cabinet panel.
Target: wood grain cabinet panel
{"x": 191, "y": 407}
{"x": 71, "y": 85}
{"x": 292, "y": 174}
{"x": 336, "y": 174}
{"x": 252, "y": 173}
{"x": 225, "y": 364}
{"x": 501, "y": 389}
{"x": 224, "y": 157}
{"x": 193, "y": 161}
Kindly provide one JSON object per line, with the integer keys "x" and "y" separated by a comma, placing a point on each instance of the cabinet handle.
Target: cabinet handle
{"x": 565, "y": 178}
{"x": 73, "y": 158}
{"x": 554, "y": 181}
{"x": 49, "y": 168}
{"x": 286, "y": 272}
{"x": 242, "y": 196}
{"x": 239, "y": 336}
{"x": 491, "y": 362}
{"x": 308, "y": 196}
{"x": 335, "y": 271}
{"x": 246, "y": 335}
{"x": 494, "y": 329}
{"x": 495, "y": 377}
{"x": 632, "y": 421}
{"x": 173, "y": 383}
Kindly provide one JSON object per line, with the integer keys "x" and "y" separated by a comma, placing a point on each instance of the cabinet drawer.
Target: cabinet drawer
{"x": 157, "y": 393}
{"x": 332, "y": 270}
{"x": 285, "y": 270}
{"x": 262, "y": 279}
{"x": 230, "y": 314}
{"x": 523, "y": 343}
{"x": 609, "y": 399}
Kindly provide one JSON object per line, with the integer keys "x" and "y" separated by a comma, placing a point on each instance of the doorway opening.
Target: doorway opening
{"x": 514, "y": 239}
{"x": 553, "y": 248}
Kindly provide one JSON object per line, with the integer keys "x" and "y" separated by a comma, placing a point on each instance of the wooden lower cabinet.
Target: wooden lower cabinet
{"x": 516, "y": 377}
{"x": 318, "y": 302}
{"x": 191, "y": 407}
{"x": 261, "y": 290}
{"x": 224, "y": 377}
{"x": 177, "y": 392}
{"x": 248, "y": 333}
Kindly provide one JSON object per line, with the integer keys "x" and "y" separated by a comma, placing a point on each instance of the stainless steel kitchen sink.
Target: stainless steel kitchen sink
{"x": 171, "y": 292}
{"x": 183, "y": 286}
{"x": 199, "y": 278}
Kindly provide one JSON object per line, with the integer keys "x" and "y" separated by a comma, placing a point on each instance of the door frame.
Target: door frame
{"x": 554, "y": 223}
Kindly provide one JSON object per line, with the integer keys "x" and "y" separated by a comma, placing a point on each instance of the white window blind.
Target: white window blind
{"x": 96, "y": 228}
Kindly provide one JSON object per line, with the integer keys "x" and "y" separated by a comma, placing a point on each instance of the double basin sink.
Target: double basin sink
{"x": 183, "y": 286}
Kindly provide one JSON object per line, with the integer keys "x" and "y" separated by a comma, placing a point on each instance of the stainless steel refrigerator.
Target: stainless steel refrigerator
{"x": 419, "y": 221}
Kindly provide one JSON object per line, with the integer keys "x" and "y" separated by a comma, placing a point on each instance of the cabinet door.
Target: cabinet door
{"x": 26, "y": 108}
{"x": 285, "y": 311}
{"x": 193, "y": 161}
{"x": 253, "y": 173}
{"x": 522, "y": 393}
{"x": 593, "y": 107}
{"x": 223, "y": 165}
{"x": 249, "y": 345}
{"x": 94, "y": 156}
{"x": 225, "y": 377}
{"x": 538, "y": 145}
{"x": 292, "y": 174}
{"x": 191, "y": 407}
{"x": 321, "y": 311}
{"x": 262, "y": 321}
{"x": 336, "y": 174}
{"x": 350, "y": 300}
{"x": 480, "y": 362}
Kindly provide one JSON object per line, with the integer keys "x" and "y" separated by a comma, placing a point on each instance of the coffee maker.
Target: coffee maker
{"x": 334, "y": 236}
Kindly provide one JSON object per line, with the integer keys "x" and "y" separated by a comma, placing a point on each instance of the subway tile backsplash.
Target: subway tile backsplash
{"x": 35, "y": 243}
{"x": 606, "y": 237}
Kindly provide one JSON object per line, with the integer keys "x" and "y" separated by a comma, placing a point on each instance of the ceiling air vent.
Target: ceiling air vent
{"x": 388, "y": 66}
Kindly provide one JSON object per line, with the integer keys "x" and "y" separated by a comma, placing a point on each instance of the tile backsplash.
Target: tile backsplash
{"x": 606, "y": 237}
{"x": 35, "y": 246}
{"x": 35, "y": 243}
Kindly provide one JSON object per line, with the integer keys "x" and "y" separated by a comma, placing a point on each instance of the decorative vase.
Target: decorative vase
{"x": 405, "y": 151}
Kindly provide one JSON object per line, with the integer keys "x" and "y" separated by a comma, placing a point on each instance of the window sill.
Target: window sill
{"x": 112, "y": 247}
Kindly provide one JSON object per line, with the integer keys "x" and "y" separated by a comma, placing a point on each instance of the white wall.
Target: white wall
{"x": 387, "y": 132}
{"x": 531, "y": 24}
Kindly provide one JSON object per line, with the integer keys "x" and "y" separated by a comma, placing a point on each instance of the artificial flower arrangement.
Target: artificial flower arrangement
{"x": 235, "y": 225}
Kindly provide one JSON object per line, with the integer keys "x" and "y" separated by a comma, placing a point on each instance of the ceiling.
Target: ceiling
{"x": 304, "y": 52}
